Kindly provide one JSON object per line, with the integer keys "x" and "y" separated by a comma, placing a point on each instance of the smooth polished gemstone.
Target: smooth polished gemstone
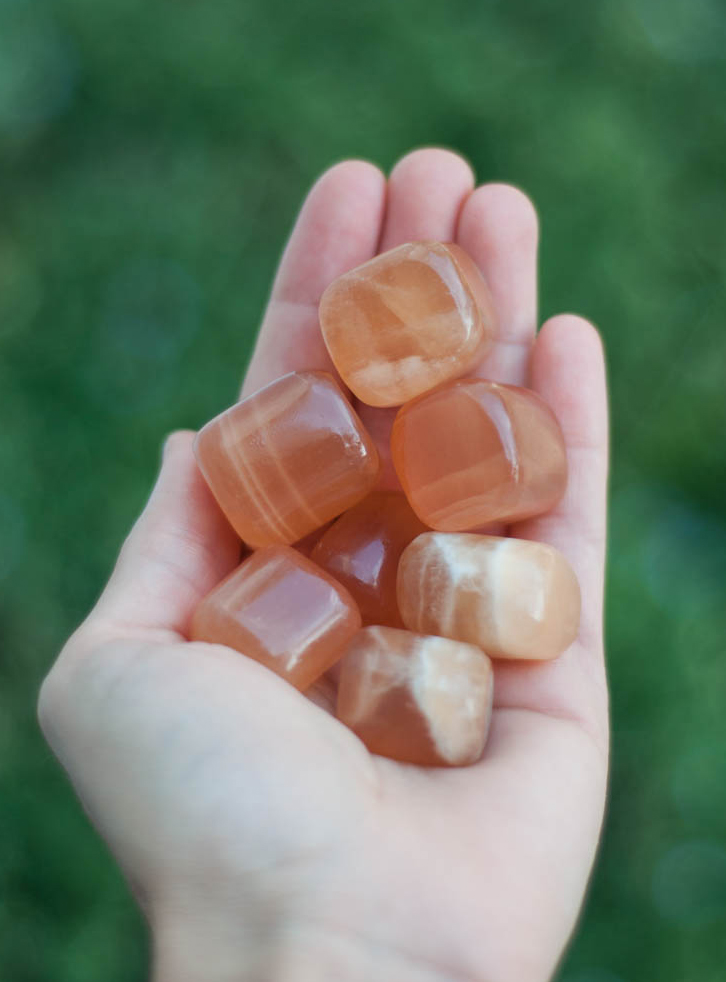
{"x": 308, "y": 543}
{"x": 407, "y": 320}
{"x": 283, "y": 611}
{"x": 474, "y": 452}
{"x": 424, "y": 700}
{"x": 515, "y": 599}
{"x": 362, "y": 548}
{"x": 286, "y": 460}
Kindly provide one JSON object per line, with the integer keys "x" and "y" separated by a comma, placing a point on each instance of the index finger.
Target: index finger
{"x": 338, "y": 228}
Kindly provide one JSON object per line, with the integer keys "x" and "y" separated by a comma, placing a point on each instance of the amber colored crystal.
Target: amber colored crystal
{"x": 406, "y": 321}
{"x": 515, "y": 599}
{"x": 308, "y": 543}
{"x": 362, "y": 548}
{"x": 287, "y": 459}
{"x": 473, "y": 452}
{"x": 282, "y": 610}
{"x": 424, "y": 700}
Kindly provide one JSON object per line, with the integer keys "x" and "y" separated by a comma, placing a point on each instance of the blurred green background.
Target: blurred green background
{"x": 152, "y": 158}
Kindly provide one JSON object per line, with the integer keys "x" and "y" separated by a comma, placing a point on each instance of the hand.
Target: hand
{"x": 261, "y": 838}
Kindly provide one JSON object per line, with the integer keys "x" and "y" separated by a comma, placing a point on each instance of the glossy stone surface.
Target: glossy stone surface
{"x": 473, "y": 452}
{"x": 423, "y": 700}
{"x": 281, "y": 610}
{"x": 515, "y": 599}
{"x": 407, "y": 320}
{"x": 287, "y": 459}
{"x": 362, "y": 548}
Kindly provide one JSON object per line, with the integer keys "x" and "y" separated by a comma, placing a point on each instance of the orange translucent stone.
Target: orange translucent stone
{"x": 362, "y": 548}
{"x": 473, "y": 452}
{"x": 306, "y": 545}
{"x": 286, "y": 460}
{"x": 407, "y": 320}
{"x": 418, "y": 699}
{"x": 282, "y": 610}
{"x": 515, "y": 599}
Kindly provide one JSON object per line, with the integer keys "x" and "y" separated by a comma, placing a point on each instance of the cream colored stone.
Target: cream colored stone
{"x": 406, "y": 321}
{"x": 423, "y": 700}
{"x": 513, "y": 598}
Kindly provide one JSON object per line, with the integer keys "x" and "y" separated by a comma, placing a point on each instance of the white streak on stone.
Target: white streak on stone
{"x": 450, "y": 705}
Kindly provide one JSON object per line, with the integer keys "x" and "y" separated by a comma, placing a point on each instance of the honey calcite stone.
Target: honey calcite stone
{"x": 407, "y": 320}
{"x": 473, "y": 452}
{"x": 516, "y": 599}
{"x": 423, "y": 700}
{"x": 282, "y": 610}
{"x": 286, "y": 460}
{"x": 362, "y": 548}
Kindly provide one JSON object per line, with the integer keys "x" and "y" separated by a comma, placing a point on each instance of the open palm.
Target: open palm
{"x": 262, "y": 839}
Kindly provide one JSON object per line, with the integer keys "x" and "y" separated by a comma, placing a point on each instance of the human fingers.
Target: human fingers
{"x": 568, "y": 371}
{"x": 426, "y": 191}
{"x": 338, "y": 228}
{"x": 498, "y": 228}
{"x": 180, "y": 547}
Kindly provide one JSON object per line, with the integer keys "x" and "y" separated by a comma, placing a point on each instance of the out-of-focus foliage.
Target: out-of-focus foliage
{"x": 152, "y": 157}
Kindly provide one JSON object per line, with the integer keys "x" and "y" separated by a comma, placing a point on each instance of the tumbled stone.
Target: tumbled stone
{"x": 282, "y": 610}
{"x": 473, "y": 452}
{"x": 308, "y": 543}
{"x": 423, "y": 700}
{"x": 362, "y": 548}
{"x": 407, "y": 320}
{"x": 515, "y": 599}
{"x": 286, "y": 460}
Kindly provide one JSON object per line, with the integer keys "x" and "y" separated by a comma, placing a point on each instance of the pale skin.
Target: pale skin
{"x": 260, "y": 837}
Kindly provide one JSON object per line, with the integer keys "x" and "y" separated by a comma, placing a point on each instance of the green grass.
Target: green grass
{"x": 152, "y": 157}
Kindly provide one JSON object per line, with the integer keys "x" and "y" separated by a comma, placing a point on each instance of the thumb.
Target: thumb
{"x": 180, "y": 547}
